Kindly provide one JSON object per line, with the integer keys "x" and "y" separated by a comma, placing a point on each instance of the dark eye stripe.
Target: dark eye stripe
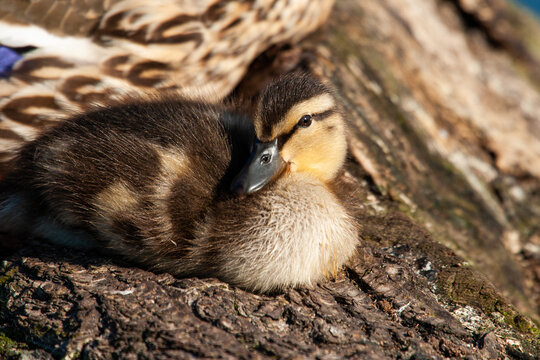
{"x": 324, "y": 114}
{"x": 282, "y": 139}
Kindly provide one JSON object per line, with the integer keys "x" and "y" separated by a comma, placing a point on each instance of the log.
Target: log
{"x": 442, "y": 101}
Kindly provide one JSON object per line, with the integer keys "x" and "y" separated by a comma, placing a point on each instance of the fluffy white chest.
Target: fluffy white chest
{"x": 296, "y": 234}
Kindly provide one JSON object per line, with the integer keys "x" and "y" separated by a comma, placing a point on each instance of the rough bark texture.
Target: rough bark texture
{"x": 443, "y": 106}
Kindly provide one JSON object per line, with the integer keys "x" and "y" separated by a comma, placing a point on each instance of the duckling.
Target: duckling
{"x": 195, "y": 189}
{"x": 85, "y": 52}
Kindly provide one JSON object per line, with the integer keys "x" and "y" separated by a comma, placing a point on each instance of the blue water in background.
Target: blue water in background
{"x": 534, "y": 5}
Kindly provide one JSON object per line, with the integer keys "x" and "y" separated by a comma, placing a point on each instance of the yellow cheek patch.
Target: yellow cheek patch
{"x": 319, "y": 150}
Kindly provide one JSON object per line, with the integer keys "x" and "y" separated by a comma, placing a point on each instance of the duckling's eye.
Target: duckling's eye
{"x": 304, "y": 121}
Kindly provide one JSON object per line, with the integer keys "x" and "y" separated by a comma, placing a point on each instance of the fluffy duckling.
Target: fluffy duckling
{"x": 172, "y": 184}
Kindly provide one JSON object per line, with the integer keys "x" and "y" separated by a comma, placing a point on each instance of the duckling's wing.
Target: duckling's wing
{"x": 88, "y": 51}
{"x": 141, "y": 172}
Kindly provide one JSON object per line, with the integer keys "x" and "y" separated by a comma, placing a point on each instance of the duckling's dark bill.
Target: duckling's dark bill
{"x": 264, "y": 164}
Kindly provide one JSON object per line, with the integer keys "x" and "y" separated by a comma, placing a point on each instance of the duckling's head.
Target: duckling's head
{"x": 299, "y": 128}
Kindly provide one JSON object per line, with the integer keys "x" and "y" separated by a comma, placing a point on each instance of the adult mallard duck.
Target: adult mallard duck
{"x": 194, "y": 189}
{"x": 86, "y": 52}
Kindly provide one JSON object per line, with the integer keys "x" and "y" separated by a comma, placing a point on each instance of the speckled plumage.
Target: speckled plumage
{"x": 151, "y": 180}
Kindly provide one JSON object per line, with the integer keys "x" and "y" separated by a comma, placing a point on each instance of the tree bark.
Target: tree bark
{"x": 442, "y": 102}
